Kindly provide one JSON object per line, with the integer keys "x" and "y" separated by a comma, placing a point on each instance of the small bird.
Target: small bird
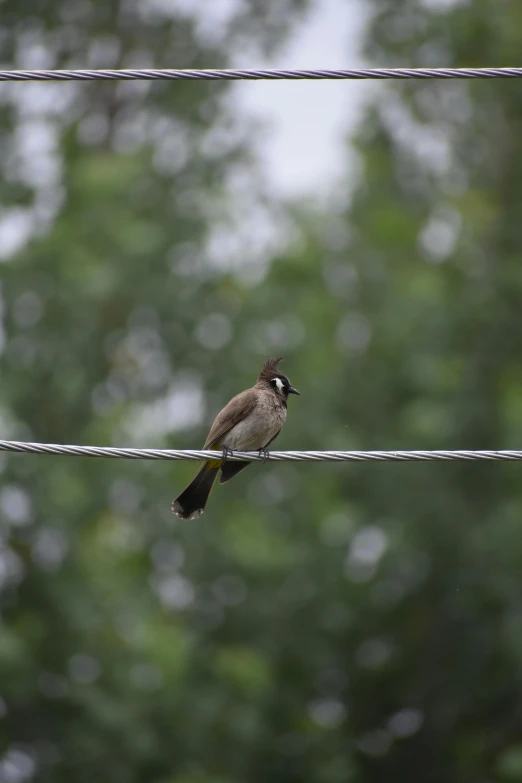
{"x": 249, "y": 422}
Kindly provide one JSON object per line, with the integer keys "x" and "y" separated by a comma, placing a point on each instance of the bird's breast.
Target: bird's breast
{"x": 258, "y": 428}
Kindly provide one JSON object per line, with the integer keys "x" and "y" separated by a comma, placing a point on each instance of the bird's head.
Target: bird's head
{"x": 274, "y": 379}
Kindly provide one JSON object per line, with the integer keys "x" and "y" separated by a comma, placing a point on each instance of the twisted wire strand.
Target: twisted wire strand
{"x": 153, "y": 74}
{"x": 254, "y": 456}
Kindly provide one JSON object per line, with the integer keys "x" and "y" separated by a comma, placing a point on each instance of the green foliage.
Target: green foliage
{"x": 319, "y": 622}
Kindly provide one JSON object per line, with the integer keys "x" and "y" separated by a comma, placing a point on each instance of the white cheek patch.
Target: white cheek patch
{"x": 279, "y": 383}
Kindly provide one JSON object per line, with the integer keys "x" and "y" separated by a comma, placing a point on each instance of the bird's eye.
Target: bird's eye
{"x": 277, "y": 383}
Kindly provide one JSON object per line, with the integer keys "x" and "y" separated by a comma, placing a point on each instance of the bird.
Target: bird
{"x": 249, "y": 422}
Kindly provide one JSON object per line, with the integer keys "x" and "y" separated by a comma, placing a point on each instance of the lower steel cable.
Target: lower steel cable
{"x": 254, "y": 456}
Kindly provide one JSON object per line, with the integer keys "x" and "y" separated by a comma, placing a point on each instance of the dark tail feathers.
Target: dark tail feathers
{"x": 231, "y": 469}
{"x": 191, "y": 503}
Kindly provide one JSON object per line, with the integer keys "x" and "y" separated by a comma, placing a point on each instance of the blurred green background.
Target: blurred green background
{"x": 320, "y": 623}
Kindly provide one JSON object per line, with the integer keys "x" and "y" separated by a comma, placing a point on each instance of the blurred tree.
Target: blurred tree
{"x": 320, "y": 622}
{"x": 120, "y": 199}
{"x": 409, "y": 628}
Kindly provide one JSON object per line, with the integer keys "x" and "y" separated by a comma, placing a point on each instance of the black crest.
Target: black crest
{"x": 270, "y": 369}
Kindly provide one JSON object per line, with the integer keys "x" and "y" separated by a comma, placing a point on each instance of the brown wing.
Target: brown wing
{"x": 237, "y": 409}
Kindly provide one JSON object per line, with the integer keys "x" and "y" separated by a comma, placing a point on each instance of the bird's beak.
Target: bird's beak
{"x": 291, "y": 390}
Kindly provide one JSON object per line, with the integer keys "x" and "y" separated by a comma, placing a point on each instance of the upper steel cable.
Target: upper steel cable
{"x": 265, "y": 73}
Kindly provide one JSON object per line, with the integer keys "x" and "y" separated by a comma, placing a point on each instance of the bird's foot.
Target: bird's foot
{"x": 264, "y": 453}
{"x": 226, "y": 453}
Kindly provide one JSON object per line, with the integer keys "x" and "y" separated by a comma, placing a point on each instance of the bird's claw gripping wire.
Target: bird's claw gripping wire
{"x": 226, "y": 453}
{"x": 264, "y": 453}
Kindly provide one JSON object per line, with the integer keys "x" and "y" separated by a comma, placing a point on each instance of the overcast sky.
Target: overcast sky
{"x": 308, "y": 121}
{"x": 303, "y": 147}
